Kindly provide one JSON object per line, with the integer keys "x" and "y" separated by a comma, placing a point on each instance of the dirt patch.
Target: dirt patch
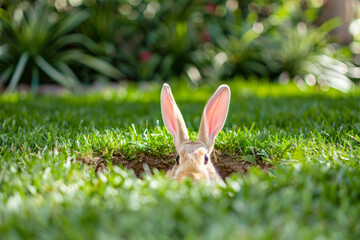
{"x": 226, "y": 164}
{"x": 98, "y": 163}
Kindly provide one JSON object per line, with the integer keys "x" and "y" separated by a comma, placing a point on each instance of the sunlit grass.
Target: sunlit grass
{"x": 312, "y": 138}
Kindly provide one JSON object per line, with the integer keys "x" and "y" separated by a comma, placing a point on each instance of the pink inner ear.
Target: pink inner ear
{"x": 216, "y": 112}
{"x": 168, "y": 113}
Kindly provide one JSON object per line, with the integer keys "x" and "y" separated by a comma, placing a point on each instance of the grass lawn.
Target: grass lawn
{"x": 311, "y": 139}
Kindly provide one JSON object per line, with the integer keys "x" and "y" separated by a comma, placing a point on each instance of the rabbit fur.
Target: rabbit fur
{"x": 194, "y": 157}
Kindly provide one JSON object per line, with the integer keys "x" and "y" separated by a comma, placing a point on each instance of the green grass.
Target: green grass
{"x": 312, "y": 138}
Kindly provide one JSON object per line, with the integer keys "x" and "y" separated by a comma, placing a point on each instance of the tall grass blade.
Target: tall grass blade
{"x": 68, "y": 71}
{"x": 53, "y": 73}
{"x": 19, "y": 69}
{"x": 71, "y": 22}
{"x": 77, "y": 38}
{"x": 97, "y": 64}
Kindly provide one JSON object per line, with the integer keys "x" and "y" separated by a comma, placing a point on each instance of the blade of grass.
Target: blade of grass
{"x": 95, "y": 63}
{"x": 71, "y": 22}
{"x": 68, "y": 71}
{"x": 77, "y": 39}
{"x": 53, "y": 73}
{"x": 18, "y": 72}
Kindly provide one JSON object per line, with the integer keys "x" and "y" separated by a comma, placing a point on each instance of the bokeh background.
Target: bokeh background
{"x": 74, "y": 43}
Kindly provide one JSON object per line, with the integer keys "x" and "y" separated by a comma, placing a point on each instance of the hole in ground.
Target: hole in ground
{"x": 226, "y": 164}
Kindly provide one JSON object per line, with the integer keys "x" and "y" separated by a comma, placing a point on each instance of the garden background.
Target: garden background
{"x": 73, "y": 42}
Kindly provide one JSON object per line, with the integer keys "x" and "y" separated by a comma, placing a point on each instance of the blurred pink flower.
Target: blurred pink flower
{"x": 145, "y": 55}
{"x": 205, "y": 37}
{"x": 210, "y": 7}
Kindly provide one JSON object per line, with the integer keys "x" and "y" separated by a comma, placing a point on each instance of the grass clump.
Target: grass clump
{"x": 311, "y": 138}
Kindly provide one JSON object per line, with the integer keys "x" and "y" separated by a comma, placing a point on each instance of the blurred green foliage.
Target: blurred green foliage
{"x": 164, "y": 39}
{"x": 37, "y": 40}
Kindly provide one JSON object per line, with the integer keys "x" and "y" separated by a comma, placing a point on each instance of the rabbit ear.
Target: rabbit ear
{"x": 173, "y": 120}
{"x": 214, "y": 116}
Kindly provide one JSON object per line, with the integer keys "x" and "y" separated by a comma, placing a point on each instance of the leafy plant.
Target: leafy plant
{"x": 160, "y": 40}
{"x": 302, "y": 54}
{"x": 37, "y": 43}
{"x": 163, "y": 36}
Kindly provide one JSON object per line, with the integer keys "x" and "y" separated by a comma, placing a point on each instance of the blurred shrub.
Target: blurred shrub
{"x": 213, "y": 40}
{"x": 37, "y": 41}
{"x": 305, "y": 55}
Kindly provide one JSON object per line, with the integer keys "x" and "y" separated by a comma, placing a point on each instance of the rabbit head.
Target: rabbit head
{"x": 194, "y": 159}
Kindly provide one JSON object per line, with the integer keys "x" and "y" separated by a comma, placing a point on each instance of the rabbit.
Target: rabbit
{"x": 193, "y": 160}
